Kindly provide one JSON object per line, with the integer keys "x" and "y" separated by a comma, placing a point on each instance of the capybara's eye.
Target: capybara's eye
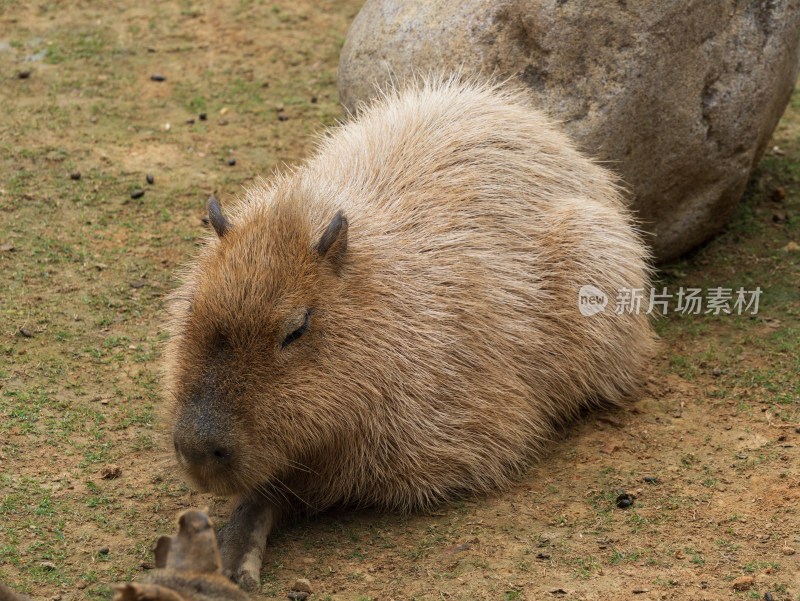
{"x": 297, "y": 333}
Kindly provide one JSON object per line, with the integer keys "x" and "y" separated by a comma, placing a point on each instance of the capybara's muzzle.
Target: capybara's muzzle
{"x": 204, "y": 440}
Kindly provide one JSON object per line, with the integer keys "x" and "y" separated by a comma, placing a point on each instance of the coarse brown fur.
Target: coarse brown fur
{"x": 444, "y": 337}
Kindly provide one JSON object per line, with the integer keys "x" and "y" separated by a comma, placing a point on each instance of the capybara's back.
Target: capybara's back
{"x": 398, "y": 319}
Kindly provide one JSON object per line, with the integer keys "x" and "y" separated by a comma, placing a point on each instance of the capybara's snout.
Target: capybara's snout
{"x": 205, "y": 441}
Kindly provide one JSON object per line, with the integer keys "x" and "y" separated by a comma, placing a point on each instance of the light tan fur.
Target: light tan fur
{"x": 445, "y": 342}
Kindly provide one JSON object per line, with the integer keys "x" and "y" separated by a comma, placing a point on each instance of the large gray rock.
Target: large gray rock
{"x": 680, "y": 97}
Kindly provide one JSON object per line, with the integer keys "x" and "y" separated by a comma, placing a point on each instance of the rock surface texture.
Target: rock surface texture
{"x": 678, "y": 97}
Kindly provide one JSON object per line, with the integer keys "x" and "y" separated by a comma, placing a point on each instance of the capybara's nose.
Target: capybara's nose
{"x": 203, "y": 442}
{"x": 203, "y": 450}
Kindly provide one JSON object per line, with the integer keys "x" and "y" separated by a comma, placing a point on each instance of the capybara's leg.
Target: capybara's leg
{"x": 243, "y": 540}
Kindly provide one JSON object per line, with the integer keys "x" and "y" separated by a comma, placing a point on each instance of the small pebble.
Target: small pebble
{"x": 76, "y": 175}
{"x": 624, "y": 500}
{"x": 231, "y": 162}
{"x": 48, "y": 565}
{"x": 778, "y": 194}
{"x": 282, "y": 117}
{"x": 24, "y": 74}
{"x": 302, "y": 585}
{"x": 26, "y": 332}
{"x": 313, "y": 100}
{"x": 149, "y": 179}
{"x": 717, "y": 372}
{"x": 768, "y": 597}
{"x": 103, "y": 550}
{"x": 298, "y": 596}
{"x": 110, "y": 472}
{"x": 157, "y": 77}
{"x": 223, "y": 111}
{"x": 458, "y": 548}
{"x": 650, "y": 479}
{"x": 743, "y": 583}
{"x": 223, "y": 122}
{"x": 137, "y": 193}
{"x": 788, "y": 551}
{"x": 202, "y": 116}
{"x": 190, "y": 122}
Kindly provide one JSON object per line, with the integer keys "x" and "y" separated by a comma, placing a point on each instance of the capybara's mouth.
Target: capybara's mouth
{"x": 216, "y": 484}
{"x": 217, "y": 481}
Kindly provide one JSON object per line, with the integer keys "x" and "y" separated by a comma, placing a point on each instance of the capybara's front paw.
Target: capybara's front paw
{"x": 236, "y": 567}
{"x": 243, "y": 540}
{"x": 247, "y": 581}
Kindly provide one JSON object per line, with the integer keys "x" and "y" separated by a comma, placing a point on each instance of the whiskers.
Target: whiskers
{"x": 271, "y": 483}
{"x": 278, "y": 493}
{"x": 296, "y": 465}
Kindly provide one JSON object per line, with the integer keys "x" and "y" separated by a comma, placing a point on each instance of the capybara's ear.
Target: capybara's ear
{"x": 215, "y": 216}
{"x": 333, "y": 244}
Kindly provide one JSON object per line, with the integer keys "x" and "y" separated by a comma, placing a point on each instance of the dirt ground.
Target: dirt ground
{"x": 87, "y": 481}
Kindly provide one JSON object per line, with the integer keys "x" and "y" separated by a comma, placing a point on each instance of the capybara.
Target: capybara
{"x": 397, "y": 319}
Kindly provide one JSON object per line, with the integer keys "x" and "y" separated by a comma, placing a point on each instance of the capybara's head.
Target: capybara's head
{"x": 246, "y": 334}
